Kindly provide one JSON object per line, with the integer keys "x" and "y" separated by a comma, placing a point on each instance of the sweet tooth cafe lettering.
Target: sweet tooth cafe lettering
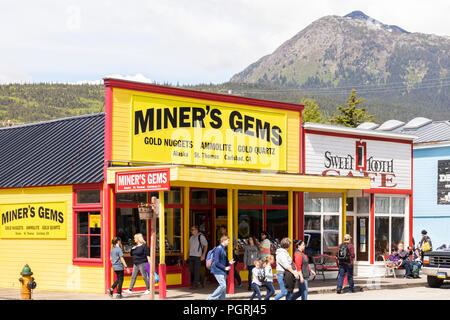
{"x": 380, "y": 172}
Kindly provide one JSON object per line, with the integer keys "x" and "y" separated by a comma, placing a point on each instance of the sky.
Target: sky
{"x": 168, "y": 41}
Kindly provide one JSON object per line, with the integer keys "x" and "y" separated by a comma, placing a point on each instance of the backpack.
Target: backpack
{"x": 210, "y": 258}
{"x": 415, "y": 271}
{"x": 343, "y": 253}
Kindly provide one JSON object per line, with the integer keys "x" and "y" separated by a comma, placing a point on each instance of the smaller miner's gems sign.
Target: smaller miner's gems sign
{"x": 443, "y": 185}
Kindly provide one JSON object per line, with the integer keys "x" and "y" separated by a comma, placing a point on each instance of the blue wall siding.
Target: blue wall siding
{"x": 427, "y": 213}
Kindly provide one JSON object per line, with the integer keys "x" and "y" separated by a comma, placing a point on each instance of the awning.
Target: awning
{"x": 202, "y": 177}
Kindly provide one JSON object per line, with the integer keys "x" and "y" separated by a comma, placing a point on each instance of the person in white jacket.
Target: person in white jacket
{"x": 284, "y": 263}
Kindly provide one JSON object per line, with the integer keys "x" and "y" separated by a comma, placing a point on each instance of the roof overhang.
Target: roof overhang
{"x": 200, "y": 177}
{"x": 358, "y": 132}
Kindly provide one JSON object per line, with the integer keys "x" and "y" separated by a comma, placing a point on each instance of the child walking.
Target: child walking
{"x": 258, "y": 278}
{"x": 268, "y": 276}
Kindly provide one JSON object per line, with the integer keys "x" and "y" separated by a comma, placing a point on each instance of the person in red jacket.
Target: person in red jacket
{"x": 345, "y": 255}
{"x": 304, "y": 270}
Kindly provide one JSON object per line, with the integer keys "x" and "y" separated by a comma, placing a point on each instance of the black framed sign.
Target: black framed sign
{"x": 443, "y": 185}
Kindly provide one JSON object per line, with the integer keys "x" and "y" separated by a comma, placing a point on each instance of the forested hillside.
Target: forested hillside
{"x": 27, "y": 103}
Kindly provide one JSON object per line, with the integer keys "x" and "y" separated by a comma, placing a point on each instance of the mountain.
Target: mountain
{"x": 334, "y": 54}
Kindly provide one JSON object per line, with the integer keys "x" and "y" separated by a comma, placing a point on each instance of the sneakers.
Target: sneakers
{"x": 119, "y": 296}
{"x": 147, "y": 292}
{"x": 128, "y": 291}
{"x": 110, "y": 292}
{"x": 338, "y": 291}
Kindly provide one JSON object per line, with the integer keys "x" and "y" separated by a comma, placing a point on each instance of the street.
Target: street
{"x": 414, "y": 293}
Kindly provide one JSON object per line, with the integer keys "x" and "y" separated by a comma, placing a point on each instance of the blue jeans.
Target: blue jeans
{"x": 270, "y": 290}
{"x": 256, "y": 291}
{"x": 302, "y": 290}
{"x": 283, "y": 292}
{"x": 250, "y": 268}
{"x": 346, "y": 268}
{"x": 221, "y": 291}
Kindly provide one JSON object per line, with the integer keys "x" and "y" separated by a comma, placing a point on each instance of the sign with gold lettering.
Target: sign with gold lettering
{"x": 46, "y": 220}
{"x": 207, "y": 133}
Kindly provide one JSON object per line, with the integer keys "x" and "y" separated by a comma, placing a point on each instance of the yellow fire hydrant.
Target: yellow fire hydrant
{"x": 27, "y": 281}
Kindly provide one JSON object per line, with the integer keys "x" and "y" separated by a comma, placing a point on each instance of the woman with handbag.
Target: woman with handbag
{"x": 285, "y": 270}
{"x": 304, "y": 270}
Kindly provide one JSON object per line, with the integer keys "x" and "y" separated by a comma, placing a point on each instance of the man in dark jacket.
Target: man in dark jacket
{"x": 346, "y": 264}
{"x": 220, "y": 267}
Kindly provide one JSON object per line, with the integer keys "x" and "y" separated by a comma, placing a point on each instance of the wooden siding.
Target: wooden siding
{"x": 49, "y": 260}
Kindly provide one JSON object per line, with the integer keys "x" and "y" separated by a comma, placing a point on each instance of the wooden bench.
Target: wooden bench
{"x": 324, "y": 263}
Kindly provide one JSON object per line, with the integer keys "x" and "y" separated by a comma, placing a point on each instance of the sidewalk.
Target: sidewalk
{"x": 317, "y": 286}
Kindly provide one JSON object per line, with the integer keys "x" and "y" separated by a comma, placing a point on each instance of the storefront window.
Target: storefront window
{"x": 221, "y": 197}
{"x": 128, "y": 224}
{"x": 88, "y": 196}
{"x": 381, "y": 236}
{"x": 398, "y": 231}
{"x": 88, "y": 234}
{"x": 362, "y": 204}
{"x": 250, "y": 198}
{"x": 330, "y": 234}
{"x": 276, "y": 198}
{"x": 250, "y": 222}
{"x": 277, "y": 223}
{"x": 331, "y": 204}
{"x": 313, "y": 234}
{"x": 397, "y": 205}
{"x": 200, "y": 197}
{"x": 382, "y": 205}
{"x": 136, "y": 197}
{"x": 350, "y": 204}
{"x": 312, "y": 205}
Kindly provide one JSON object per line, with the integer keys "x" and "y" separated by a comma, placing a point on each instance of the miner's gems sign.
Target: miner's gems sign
{"x": 166, "y": 130}
{"x": 38, "y": 220}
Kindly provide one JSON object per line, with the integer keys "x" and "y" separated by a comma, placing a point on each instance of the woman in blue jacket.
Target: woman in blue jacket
{"x": 220, "y": 267}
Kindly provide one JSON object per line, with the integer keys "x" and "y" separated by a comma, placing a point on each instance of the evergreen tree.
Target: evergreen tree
{"x": 311, "y": 111}
{"x": 351, "y": 115}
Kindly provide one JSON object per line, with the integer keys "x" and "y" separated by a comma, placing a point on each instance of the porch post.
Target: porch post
{"x": 344, "y": 214}
{"x": 186, "y": 280}
{"x": 230, "y": 285}
{"x": 162, "y": 248}
{"x": 291, "y": 220}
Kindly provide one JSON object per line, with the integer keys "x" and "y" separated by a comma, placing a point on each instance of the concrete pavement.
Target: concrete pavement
{"x": 316, "y": 287}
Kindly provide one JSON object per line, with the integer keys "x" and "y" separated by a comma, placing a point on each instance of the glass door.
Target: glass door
{"x": 362, "y": 247}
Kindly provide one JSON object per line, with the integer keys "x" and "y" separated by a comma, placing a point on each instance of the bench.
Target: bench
{"x": 324, "y": 263}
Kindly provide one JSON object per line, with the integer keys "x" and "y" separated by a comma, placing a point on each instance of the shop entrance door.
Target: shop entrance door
{"x": 349, "y": 228}
{"x": 362, "y": 248}
{"x": 203, "y": 219}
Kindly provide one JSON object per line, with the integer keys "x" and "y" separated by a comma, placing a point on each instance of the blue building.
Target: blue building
{"x": 431, "y": 178}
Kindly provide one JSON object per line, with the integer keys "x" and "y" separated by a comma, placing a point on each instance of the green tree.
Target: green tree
{"x": 351, "y": 115}
{"x": 311, "y": 111}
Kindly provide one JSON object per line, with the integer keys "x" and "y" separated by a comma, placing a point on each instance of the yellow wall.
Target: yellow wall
{"x": 50, "y": 260}
{"x": 121, "y": 127}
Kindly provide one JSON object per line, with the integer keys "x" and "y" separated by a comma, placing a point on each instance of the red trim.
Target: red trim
{"x": 372, "y": 228}
{"x": 411, "y": 201}
{"x": 301, "y": 215}
{"x": 388, "y": 191}
{"x": 130, "y": 85}
{"x": 49, "y": 186}
{"x": 106, "y": 187}
{"x": 354, "y": 136}
{"x": 303, "y": 151}
{"x": 364, "y": 165}
{"x": 162, "y": 281}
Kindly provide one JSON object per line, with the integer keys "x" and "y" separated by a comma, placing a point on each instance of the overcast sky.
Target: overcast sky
{"x": 191, "y": 41}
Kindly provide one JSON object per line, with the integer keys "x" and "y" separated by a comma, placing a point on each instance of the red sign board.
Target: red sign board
{"x": 143, "y": 181}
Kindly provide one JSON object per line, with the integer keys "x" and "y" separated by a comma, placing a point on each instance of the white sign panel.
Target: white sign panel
{"x": 387, "y": 164}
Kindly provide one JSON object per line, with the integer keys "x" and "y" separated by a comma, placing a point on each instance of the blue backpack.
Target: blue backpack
{"x": 210, "y": 258}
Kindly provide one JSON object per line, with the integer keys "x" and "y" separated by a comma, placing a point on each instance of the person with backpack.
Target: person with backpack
{"x": 217, "y": 260}
{"x": 198, "y": 247}
{"x": 345, "y": 255}
{"x": 286, "y": 273}
{"x": 304, "y": 270}
{"x": 237, "y": 277}
{"x": 258, "y": 279}
{"x": 251, "y": 253}
{"x": 425, "y": 244}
